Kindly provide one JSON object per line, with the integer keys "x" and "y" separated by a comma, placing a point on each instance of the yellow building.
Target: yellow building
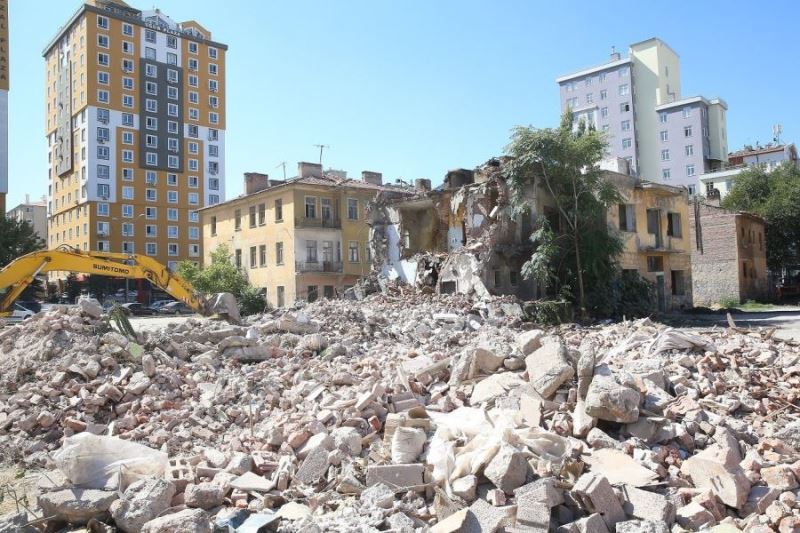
{"x": 135, "y": 123}
{"x": 653, "y": 220}
{"x": 299, "y": 239}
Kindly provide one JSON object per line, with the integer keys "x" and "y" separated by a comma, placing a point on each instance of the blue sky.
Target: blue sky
{"x": 414, "y": 88}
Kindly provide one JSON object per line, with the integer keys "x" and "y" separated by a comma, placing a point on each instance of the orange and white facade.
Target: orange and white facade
{"x": 135, "y": 122}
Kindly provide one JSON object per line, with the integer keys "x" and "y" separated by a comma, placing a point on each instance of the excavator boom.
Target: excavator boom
{"x": 21, "y": 272}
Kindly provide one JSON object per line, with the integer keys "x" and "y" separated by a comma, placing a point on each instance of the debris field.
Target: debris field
{"x": 403, "y": 412}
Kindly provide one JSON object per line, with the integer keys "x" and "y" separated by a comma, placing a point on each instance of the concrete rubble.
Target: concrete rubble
{"x": 404, "y": 411}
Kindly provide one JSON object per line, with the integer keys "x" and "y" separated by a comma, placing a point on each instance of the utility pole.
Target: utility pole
{"x": 321, "y": 148}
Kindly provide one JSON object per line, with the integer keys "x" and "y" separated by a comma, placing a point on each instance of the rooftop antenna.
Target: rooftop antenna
{"x": 321, "y": 148}
{"x": 777, "y": 129}
{"x": 282, "y": 164}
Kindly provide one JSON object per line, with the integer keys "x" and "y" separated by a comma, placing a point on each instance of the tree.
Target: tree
{"x": 17, "y": 238}
{"x": 776, "y": 197}
{"x": 577, "y": 242}
{"x": 221, "y": 275}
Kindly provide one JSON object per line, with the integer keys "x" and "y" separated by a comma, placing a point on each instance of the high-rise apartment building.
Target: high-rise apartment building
{"x": 637, "y": 101}
{"x": 135, "y": 127}
{"x": 4, "y": 86}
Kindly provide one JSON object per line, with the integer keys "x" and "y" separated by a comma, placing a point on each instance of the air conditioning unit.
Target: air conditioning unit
{"x": 213, "y": 89}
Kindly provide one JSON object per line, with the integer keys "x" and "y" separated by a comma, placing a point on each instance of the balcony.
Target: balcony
{"x": 317, "y": 266}
{"x": 304, "y": 222}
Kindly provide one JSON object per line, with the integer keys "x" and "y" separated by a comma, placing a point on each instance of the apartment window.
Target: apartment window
{"x": 311, "y": 251}
{"x": 194, "y": 97}
{"x": 623, "y": 72}
{"x": 213, "y": 184}
{"x": 103, "y": 134}
{"x": 213, "y": 86}
{"x": 150, "y": 195}
{"x": 127, "y": 137}
{"x": 662, "y": 117}
{"x": 352, "y": 251}
{"x": 705, "y": 132}
{"x": 262, "y": 255}
{"x": 194, "y": 233}
{"x": 690, "y": 170}
{"x": 687, "y": 131}
{"x": 151, "y": 230}
{"x": 127, "y": 65}
{"x": 193, "y": 148}
{"x": 192, "y": 64}
{"x": 172, "y": 75}
{"x": 589, "y": 98}
{"x": 102, "y": 152}
{"x": 151, "y": 158}
{"x": 626, "y": 143}
{"x": 665, "y": 154}
{"x": 624, "y": 107}
{"x": 172, "y": 214}
{"x": 253, "y": 256}
{"x": 172, "y": 232}
{"x": 623, "y": 89}
{"x": 150, "y": 177}
{"x": 687, "y": 112}
{"x": 172, "y": 197}
{"x": 663, "y": 135}
{"x": 127, "y": 229}
{"x": 150, "y": 87}
{"x": 237, "y": 220}
{"x": 252, "y": 216}
{"x": 279, "y": 210}
{"x": 213, "y": 102}
{"x": 103, "y": 191}
{"x": 193, "y": 132}
{"x": 627, "y": 217}
{"x": 212, "y": 69}
{"x": 655, "y": 263}
{"x": 172, "y": 110}
{"x": 127, "y": 174}
{"x": 150, "y": 213}
{"x": 102, "y": 22}
{"x": 352, "y": 209}
{"x": 666, "y": 173}
{"x": 311, "y": 207}
{"x": 102, "y": 208}
{"x": 213, "y": 134}
{"x": 689, "y": 149}
{"x": 213, "y": 150}
{"x": 212, "y": 52}
{"x": 193, "y": 80}
{"x": 172, "y": 126}
{"x": 150, "y": 36}
{"x": 150, "y": 248}
{"x": 572, "y": 102}
{"x": 127, "y": 83}
{"x": 625, "y": 125}
{"x": 278, "y": 253}
{"x": 604, "y": 112}
{"x": 262, "y": 214}
{"x": 127, "y": 101}
{"x": 194, "y": 182}
{"x": 194, "y": 250}
{"x": 172, "y": 92}
{"x": 194, "y": 199}
{"x": 678, "y": 282}
{"x": 103, "y": 246}
{"x": 102, "y": 77}
{"x": 103, "y": 59}
{"x": 172, "y": 249}
{"x": 127, "y": 29}
{"x": 312, "y": 293}
{"x": 127, "y": 211}
{"x": 194, "y": 113}
{"x": 150, "y": 71}
{"x": 213, "y": 226}
{"x": 151, "y": 105}
{"x": 192, "y": 48}
{"x": 674, "y": 225}
{"x": 102, "y": 96}
{"x": 172, "y": 41}
{"x": 213, "y": 117}
{"x": 193, "y": 164}
{"x": 151, "y": 141}
{"x": 172, "y": 144}
{"x": 151, "y": 123}
{"x": 127, "y": 193}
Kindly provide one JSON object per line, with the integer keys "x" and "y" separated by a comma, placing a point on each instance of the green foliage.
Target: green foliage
{"x": 219, "y": 276}
{"x": 223, "y": 276}
{"x": 776, "y": 197}
{"x": 16, "y": 239}
{"x": 729, "y": 302}
{"x": 251, "y": 301}
{"x": 549, "y": 312}
{"x": 120, "y": 319}
{"x": 635, "y": 297}
{"x": 72, "y": 287}
{"x": 564, "y": 163}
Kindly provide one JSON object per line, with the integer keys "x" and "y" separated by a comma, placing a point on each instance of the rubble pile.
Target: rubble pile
{"x": 401, "y": 412}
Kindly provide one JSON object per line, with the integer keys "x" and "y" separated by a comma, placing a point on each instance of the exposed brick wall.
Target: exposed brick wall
{"x": 717, "y": 254}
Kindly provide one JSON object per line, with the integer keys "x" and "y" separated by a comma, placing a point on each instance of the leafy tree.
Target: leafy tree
{"x": 17, "y": 238}
{"x": 577, "y": 244}
{"x": 776, "y": 197}
{"x": 223, "y": 276}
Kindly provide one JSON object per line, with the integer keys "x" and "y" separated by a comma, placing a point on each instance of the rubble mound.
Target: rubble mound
{"x": 402, "y": 411}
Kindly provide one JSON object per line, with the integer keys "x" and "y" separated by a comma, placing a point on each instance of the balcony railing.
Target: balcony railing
{"x": 304, "y": 222}
{"x": 317, "y": 266}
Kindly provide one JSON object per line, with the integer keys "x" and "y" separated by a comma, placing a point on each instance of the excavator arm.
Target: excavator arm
{"x": 21, "y": 272}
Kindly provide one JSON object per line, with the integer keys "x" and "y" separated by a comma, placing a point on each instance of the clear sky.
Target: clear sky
{"x": 417, "y": 87}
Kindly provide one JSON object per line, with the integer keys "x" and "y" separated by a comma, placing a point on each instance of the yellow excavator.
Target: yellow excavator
{"x": 21, "y": 272}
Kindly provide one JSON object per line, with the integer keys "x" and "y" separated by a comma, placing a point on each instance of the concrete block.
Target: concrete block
{"x": 595, "y": 495}
{"x": 397, "y": 477}
{"x": 508, "y": 469}
{"x": 647, "y": 505}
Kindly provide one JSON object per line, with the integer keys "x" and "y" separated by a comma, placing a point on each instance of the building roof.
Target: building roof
{"x": 327, "y": 180}
{"x": 655, "y": 40}
{"x": 745, "y": 152}
{"x": 592, "y": 70}
{"x": 692, "y": 100}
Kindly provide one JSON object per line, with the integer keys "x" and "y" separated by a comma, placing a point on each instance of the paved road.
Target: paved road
{"x": 786, "y": 320}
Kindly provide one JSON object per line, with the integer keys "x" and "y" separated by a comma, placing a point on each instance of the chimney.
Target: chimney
{"x": 308, "y": 170}
{"x": 375, "y": 178}
{"x": 255, "y": 181}
{"x": 459, "y": 177}
{"x": 27, "y": 198}
{"x": 422, "y": 184}
{"x": 615, "y": 56}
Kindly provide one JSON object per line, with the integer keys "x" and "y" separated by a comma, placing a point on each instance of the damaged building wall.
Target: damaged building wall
{"x": 653, "y": 221}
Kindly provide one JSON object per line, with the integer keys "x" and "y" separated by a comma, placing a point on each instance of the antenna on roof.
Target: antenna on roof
{"x": 777, "y": 129}
{"x": 282, "y": 164}
{"x": 321, "y": 148}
